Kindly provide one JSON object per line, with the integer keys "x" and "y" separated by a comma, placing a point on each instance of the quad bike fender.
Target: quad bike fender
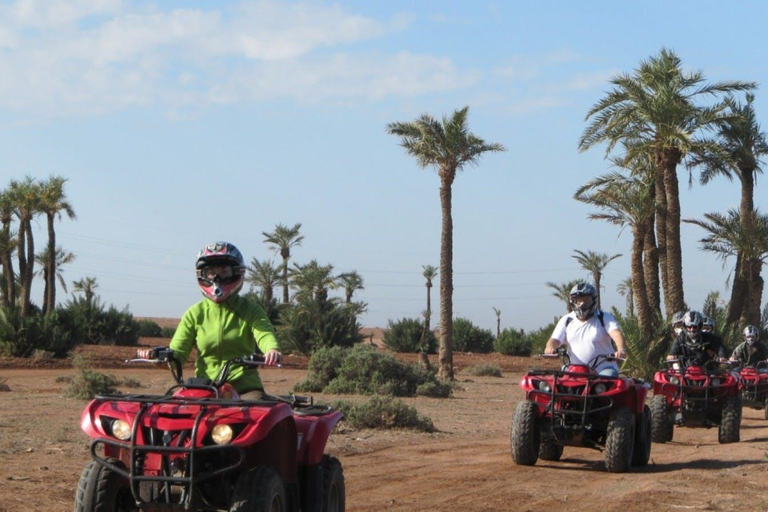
{"x": 90, "y": 419}
{"x": 314, "y": 432}
{"x": 260, "y": 422}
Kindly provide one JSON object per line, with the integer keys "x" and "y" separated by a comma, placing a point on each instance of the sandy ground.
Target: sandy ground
{"x": 465, "y": 466}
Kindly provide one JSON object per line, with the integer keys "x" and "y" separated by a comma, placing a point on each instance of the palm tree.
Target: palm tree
{"x": 282, "y": 239}
{"x": 625, "y": 290}
{"x": 498, "y": 322}
{"x": 741, "y": 145}
{"x": 87, "y": 286}
{"x": 653, "y": 113}
{"x": 628, "y": 201}
{"x": 25, "y": 197}
{"x": 429, "y": 272}
{"x": 7, "y": 247}
{"x": 447, "y": 146}
{"x": 563, "y": 291}
{"x": 726, "y": 238}
{"x": 61, "y": 258}
{"x": 594, "y": 263}
{"x": 313, "y": 281}
{"x": 265, "y": 275}
{"x": 52, "y": 203}
{"x": 351, "y": 282}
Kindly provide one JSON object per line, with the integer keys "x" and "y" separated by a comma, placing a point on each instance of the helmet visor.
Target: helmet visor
{"x": 211, "y": 274}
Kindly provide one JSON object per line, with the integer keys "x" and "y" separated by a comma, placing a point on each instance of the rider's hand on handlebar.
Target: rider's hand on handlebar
{"x": 273, "y": 358}
{"x": 620, "y": 354}
{"x": 145, "y": 353}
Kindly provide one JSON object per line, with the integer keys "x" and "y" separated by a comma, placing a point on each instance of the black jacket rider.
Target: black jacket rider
{"x": 709, "y": 347}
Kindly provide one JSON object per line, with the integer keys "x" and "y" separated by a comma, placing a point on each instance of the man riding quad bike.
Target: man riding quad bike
{"x": 750, "y": 361}
{"x": 576, "y": 406}
{"x": 698, "y": 389}
{"x": 201, "y": 447}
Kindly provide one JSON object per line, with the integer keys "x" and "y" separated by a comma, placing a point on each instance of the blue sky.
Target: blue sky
{"x": 178, "y": 123}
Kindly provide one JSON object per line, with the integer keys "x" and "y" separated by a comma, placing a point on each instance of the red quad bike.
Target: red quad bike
{"x": 753, "y": 387}
{"x": 693, "y": 394}
{"x": 578, "y": 407}
{"x": 199, "y": 447}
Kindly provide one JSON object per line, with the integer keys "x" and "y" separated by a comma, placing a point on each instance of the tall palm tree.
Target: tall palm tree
{"x": 447, "y": 146}
{"x": 265, "y": 275}
{"x": 61, "y": 258}
{"x": 7, "y": 247}
{"x": 313, "y": 281}
{"x": 498, "y": 322}
{"x": 53, "y": 203}
{"x": 594, "y": 263}
{"x": 740, "y": 146}
{"x": 351, "y": 282}
{"x": 282, "y": 239}
{"x": 625, "y": 290}
{"x": 25, "y": 196}
{"x": 726, "y": 239}
{"x": 563, "y": 291}
{"x": 628, "y": 201}
{"x": 87, "y": 286}
{"x": 654, "y": 112}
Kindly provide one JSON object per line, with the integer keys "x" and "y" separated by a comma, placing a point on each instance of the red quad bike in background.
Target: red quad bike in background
{"x": 695, "y": 395}
{"x": 753, "y": 387}
{"x": 578, "y": 407}
{"x": 199, "y": 447}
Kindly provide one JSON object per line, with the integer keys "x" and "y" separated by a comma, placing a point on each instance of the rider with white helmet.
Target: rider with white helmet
{"x": 695, "y": 345}
{"x": 751, "y": 350}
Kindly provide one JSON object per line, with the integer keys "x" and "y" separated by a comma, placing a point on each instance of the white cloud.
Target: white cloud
{"x": 87, "y": 57}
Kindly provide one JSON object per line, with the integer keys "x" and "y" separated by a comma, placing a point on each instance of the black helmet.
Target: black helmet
{"x": 583, "y": 290}
{"x": 220, "y": 254}
{"x": 692, "y": 321}
{"x": 751, "y": 334}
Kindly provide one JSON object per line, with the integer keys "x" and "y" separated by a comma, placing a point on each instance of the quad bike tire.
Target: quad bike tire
{"x": 259, "y": 490}
{"x": 525, "y": 436}
{"x": 550, "y": 451}
{"x": 765, "y": 410}
{"x": 103, "y": 490}
{"x": 662, "y": 428}
{"x": 334, "y": 492}
{"x": 730, "y": 421}
{"x": 620, "y": 440}
{"x": 642, "y": 450}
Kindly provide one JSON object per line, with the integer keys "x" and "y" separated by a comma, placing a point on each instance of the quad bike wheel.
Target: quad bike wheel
{"x": 730, "y": 421}
{"x": 525, "y": 436}
{"x": 765, "y": 410}
{"x": 642, "y": 450}
{"x": 101, "y": 489}
{"x": 259, "y": 490}
{"x": 620, "y": 440}
{"x": 550, "y": 451}
{"x": 662, "y": 428}
{"x": 334, "y": 494}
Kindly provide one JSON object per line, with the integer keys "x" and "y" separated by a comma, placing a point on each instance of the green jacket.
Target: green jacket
{"x": 237, "y": 327}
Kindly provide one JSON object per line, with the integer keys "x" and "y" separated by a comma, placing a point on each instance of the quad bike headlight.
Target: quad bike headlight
{"x": 222, "y": 434}
{"x": 599, "y": 388}
{"x": 674, "y": 380}
{"x": 543, "y": 386}
{"x": 715, "y": 382}
{"x": 121, "y": 430}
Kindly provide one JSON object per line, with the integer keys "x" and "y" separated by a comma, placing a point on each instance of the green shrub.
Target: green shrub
{"x": 366, "y": 371}
{"x": 383, "y": 413}
{"x": 89, "y": 383}
{"x": 483, "y": 370}
{"x": 130, "y": 382}
{"x": 405, "y": 335}
{"x": 3, "y": 385}
{"x": 168, "y": 332}
{"x": 91, "y": 323}
{"x": 23, "y": 337}
{"x": 467, "y": 337}
{"x": 311, "y": 325}
{"x": 538, "y": 338}
{"x": 149, "y": 328}
{"x": 513, "y": 342}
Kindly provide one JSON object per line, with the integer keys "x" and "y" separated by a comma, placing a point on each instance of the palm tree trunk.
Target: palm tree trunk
{"x": 49, "y": 302}
{"x": 446, "y": 281}
{"x": 29, "y": 260}
{"x": 673, "y": 295}
{"x": 738, "y": 292}
{"x": 661, "y": 229}
{"x": 642, "y": 308}
{"x": 751, "y": 313}
{"x": 596, "y": 279}
{"x": 9, "y": 290}
{"x": 285, "y": 281}
{"x": 651, "y": 269}
{"x": 747, "y": 220}
{"x": 428, "y": 316}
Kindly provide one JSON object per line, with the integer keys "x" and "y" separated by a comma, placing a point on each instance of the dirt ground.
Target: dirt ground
{"x": 465, "y": 466}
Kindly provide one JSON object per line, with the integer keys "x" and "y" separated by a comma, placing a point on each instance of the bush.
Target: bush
{"x": 483, "y": 370}
{"x": 513, "y": 342}
{"x": 168, "y": 332}
{"x": 90, "y": 323}
{"x": 149, "y": 328}
{"x": 405, "y": 336}
{"x": 366, "y": 371}
{"x": 24, "y": 337}
{"x": 538, "y": 339}
{"x": 311, "y": 325}
{"x": 467, "y": 337}
{"x": 383, "y": 413}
